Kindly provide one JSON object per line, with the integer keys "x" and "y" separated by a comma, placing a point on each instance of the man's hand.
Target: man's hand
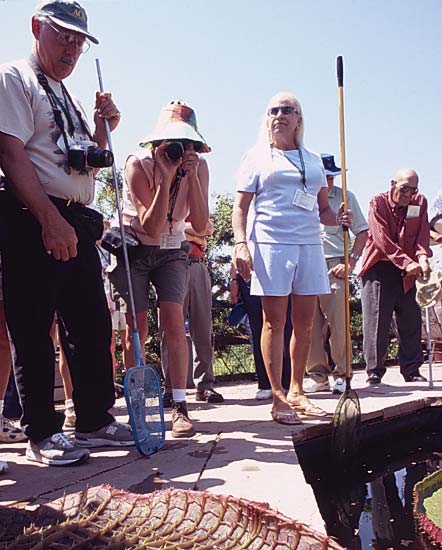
{"x": 338, "y": 271}
{"x": 425, "y": 266}
{"x": 344, "y": 217}
{"x": 413, "y": 268}
{"x": 60, "y": 239}
{"x": 104, "y": 109}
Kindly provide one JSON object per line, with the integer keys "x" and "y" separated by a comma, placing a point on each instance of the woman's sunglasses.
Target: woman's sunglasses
{"x": 285, "y": 110}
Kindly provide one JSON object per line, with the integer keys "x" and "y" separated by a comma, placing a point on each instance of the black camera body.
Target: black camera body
{"x": 87, "y": 154}
{"x": 174, "y": 150}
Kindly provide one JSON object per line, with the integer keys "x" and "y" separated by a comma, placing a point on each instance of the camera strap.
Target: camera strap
{"x": 176, "y": 187}
{"x": 58, "y": 107}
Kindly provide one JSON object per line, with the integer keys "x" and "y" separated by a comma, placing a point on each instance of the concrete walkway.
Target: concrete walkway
{"x": 254, "y": 458}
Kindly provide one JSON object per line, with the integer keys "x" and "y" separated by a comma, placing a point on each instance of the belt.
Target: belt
{"x": 196, "y": 259}
{"x": 65, "y": 202}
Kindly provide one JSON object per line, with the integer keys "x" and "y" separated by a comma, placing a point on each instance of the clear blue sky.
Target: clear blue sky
{"x": 226, "y": 59}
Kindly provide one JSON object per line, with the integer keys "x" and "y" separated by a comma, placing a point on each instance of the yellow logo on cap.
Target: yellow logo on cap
{"x": 78, "y": 13}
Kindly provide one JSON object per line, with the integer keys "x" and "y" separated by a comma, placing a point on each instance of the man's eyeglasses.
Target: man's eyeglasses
{"x": 285, "y": 110}
{"x": 66, "y": 38}
{"x": 407, "y": 189}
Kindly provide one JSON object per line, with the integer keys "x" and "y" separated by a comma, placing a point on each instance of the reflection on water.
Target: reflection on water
{"x": 369, "y": 505}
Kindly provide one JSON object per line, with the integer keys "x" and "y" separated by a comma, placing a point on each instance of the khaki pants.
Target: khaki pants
{"x": 329, "y": 313}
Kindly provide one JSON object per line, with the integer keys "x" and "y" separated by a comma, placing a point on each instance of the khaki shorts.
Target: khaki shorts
{"x": 166, "y": 269}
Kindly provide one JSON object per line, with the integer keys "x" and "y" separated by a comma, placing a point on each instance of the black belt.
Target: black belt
{"x": 64, "y": 203}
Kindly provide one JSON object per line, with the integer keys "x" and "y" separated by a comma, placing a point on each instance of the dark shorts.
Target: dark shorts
{"x": 166, "y": 269}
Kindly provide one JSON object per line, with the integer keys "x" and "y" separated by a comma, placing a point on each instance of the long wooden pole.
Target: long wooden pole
{"x": 340, "y": 75}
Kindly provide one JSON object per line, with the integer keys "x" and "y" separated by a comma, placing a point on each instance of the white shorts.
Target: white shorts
{"x": 283, "y": 269}
{"x": 118, "y": 320}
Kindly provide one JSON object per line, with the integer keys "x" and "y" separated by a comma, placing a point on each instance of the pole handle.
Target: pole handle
{"x": 340, "y": 70}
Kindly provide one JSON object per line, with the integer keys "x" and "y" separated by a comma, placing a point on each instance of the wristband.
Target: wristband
{"x": 240, "y": 242}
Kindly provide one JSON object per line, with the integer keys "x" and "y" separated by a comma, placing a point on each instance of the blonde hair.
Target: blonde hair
{"x": 263, "y": 143}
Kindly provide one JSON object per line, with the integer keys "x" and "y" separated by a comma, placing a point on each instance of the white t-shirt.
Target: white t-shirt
{"x": 277, "y": 219}
{"x": 26, "y": 114}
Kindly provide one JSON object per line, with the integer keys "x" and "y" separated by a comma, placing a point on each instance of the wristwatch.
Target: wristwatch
{"x": 354, "y": 256}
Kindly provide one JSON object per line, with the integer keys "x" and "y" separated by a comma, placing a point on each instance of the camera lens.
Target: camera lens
{"x": 174, "y": 150}
{"x": 99, "y": 158}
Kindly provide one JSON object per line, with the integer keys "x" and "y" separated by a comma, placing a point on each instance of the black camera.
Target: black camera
{"x": 86, "y": 154}
{"x": 174, "y": 150}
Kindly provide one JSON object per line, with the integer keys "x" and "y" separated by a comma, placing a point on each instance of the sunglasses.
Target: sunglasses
{"x": 406, "y": 189}
{"x": 285, "y": 110}
{"x": 66, "y": 38}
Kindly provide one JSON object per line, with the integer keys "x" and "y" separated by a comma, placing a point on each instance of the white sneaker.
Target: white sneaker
{"x": 9, "y": 433}
{"x": 338, "y": 386}
{"x": 263, "y": 395}
{"x": 56, "y": 450}
{"x": 311, "y": 386}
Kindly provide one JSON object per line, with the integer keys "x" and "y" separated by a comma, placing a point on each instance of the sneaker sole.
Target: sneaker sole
{"x": 36, "y": 457}
{"x": 90, "y": 443}
{"x": 182, "y": 435}
{"x": 327, "y": 388}
{"x": 337, "y": 392}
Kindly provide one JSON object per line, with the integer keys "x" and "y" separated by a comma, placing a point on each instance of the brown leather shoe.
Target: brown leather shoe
{"x": 181, "y": 424}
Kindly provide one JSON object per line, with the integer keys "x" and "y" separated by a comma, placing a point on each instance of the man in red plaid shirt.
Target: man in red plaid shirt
{"x": 396, "y": 253}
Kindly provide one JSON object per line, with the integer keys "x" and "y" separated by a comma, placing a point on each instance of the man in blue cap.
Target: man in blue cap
{"x": 330, "y": 308}
{"x": 49, "y": 157}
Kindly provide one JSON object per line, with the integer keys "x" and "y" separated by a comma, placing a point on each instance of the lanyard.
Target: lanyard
{"x": 176, "y": 187}
{"x": 302, "y": 169}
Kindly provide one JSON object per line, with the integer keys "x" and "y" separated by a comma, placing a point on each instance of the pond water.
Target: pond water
{"x": 369, "y": 505}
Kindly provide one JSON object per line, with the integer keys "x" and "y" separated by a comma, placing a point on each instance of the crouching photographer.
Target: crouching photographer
{"x": 47, "y": 238}
{"x": 164, "y": 183}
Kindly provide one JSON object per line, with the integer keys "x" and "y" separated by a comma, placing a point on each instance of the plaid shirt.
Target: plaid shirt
{"x": 395, "y": 236}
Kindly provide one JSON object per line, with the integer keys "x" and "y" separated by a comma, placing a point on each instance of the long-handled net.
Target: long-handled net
{"x": 347, "y": 417}
{"x": 142, "y": 388}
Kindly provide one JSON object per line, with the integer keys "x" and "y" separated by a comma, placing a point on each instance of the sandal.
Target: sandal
{"x": 289, "y": 417}
{"x": 307, "y": 408}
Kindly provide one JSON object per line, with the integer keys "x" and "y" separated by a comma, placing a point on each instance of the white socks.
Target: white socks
{"x": 179, "y": 395}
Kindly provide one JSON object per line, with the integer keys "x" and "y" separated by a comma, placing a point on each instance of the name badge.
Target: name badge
{"x": 304, "y": 200}
{"x": 169, "y": 241}
{"x": 413, "y": 211}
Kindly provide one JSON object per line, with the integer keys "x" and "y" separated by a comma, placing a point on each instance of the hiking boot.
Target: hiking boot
{"x": 10, "y": 433}
{"x": 312, "y": 386}
{"x": 209, "y": 396}
{"x": 56, "y": 450}
{"x": 181, "y": 424}
{"x": 114, "y": 434}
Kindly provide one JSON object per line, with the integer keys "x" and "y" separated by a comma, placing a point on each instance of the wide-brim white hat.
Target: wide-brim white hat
{"x": 176, "y": 121}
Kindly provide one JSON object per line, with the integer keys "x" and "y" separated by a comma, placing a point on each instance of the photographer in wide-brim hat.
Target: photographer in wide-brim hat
{"x": 165, "y": 183}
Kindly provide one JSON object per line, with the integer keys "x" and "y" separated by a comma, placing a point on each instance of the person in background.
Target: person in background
{"x": 165, "y": 182}
{"x": 45, "y": 223}
{"x": 397, "y": 252}
{"x": 330, "y": 308}
{"x": 283, "y": 254}
{"x": 9, "y": 433}
{"x": 240, "y": 291}
{"x": 198, "y": 313}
